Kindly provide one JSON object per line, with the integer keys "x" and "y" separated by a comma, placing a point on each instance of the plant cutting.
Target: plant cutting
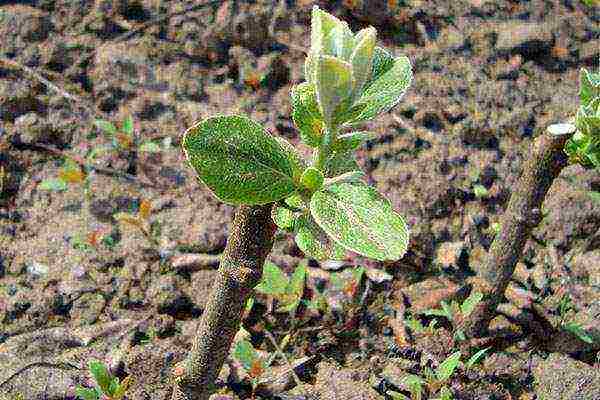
{"x": 559, "y": 146}
{"x": 324, "y": 202}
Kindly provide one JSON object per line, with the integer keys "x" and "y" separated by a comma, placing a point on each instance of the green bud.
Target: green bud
{"x": 312, "y": 179}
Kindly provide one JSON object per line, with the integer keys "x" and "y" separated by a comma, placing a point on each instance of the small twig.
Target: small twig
{"x": 283, "y": 357}
{"x": 63, "y": 366}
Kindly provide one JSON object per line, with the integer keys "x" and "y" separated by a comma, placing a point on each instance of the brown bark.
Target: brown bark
{"x": 546, "y": 160}
{"x": 249, "y": 243}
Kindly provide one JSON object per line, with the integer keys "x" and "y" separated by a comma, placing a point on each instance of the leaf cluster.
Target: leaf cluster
{"x": 349, "y": 81}
{"x": 456, "y": 312}
{"x": 106, "y": 385}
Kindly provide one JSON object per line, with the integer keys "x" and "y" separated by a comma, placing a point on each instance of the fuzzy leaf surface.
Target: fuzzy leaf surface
{"x": 334, "y": 85}
{"x": 384, "y": 92}
{"x": 357, "y": 217}
{"x": 339, "y": 163}
{"x": 351, "y": 141}
{"x": 240, "y": 162}
{"x": 274, "y": 280}
{"x": 314, "y": 242}
{"x": 306, "y": 114}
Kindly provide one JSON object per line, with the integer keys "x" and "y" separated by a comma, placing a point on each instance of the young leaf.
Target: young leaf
{"x": 283, "y": 218}
{"x": 150, "y": 147}
{"x": 357, "y": 217}
{"x": 53, "y": 184}
{"x": 436, "y": 312}
{"x": 106, "y": 127}
{"x": 589, "y": 86}
{"x": 297, "y": 280}
{"x": 385, "y": 92}
{"x": 314, "y": 242}
{"x": 306, "y": 114}
{"x": 343, "y": 41}
{"x": 128, "y": 126}
{"x": 122, "y": 390}
{"x": 312, "y": 179}
{"x": 334, "y": 85}
{"x": 339, "y": 163}
{"x": 274, "y": 280}
{"x": 114, "y": 385}
{"x": 349, "y": 177}
{"x": 577, "y": 330}
{"x": 101, "y": 375}
{"x": 86, "y": 394}
{"x": 383, "y": 61}
{"x": 351, "y": 141}
{"x": 476, "y": 357}
{"x": 240, "y": 162}
{"x": 362, "y": 59}
{"x": 470, "y": 303}
{"x": 445, "y": 370}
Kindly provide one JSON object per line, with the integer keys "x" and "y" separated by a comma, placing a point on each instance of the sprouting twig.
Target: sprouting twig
{"x": 283, "y": 357}
{"x": 84, "y": 164}
{"x": 63, "y": 365}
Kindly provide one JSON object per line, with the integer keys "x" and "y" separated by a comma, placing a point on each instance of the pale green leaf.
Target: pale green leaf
{"x": 445, "y": 370}
{"x": 362, "y": 59}
{"x": 314, "y": 242}
{"x": 106, "y": 127}
{"x": 101, "y": 375}
{"x": 283, "y": 218}
{"x": 470, "y": 303}
{"x": 297, "y": 280}
{"x": 577, "y": 330}
{"x": 334, "y": 85}
{"x": 385, "y": 92}
{"x": 589, "y": 86}
{"x": 343, "y": 41}
{"x": 86, "y": 394}
{"x": 53, "y": 185}
{"x": 274, "y": 281}
{"x": 312, "y": 179}
{"x": 240, "y": 162}
{"x": 351, "y": 141}
{"x": 128, "y": 126}
{"x": 295, "y": 201}
{"x": 306, "y": 114}
{"x": 357, "y": 217}
{"x": 383, "y": 61}
{"x": 476, "y": 357}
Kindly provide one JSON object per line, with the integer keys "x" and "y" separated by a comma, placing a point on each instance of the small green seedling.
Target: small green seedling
{"x": 584, "y": 146}
{"x": 108, "y": 387}
{"x": 254, "y": 365}
{"x": 455, "y": 312}
{"x": 349, "y": 81}
{"x": 288, "y": 291}
{"x": 565, "y": 306}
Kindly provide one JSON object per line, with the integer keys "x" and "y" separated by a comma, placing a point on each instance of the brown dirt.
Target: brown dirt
{"x": 75, "y": 284}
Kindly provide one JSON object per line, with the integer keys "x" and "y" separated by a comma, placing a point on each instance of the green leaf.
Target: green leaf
{"x": 101, "y": 375}
{"x": 480, "y": 191}
{"x": 339, "y": 163}
{"x": 343, "y": 41}
{"x": 106, "y": 127}
{"x": 314, "y": 242}
{"x": 53, "y": 185}
{"x": 436, "y": 312}
{"x": 245, "y": 353}
{"x": 312, "y": 179}
{"x": 595, "y": 196}
{"x": 577, "y": 330}
{"x": 470, "y": 303}
{"x": 306, "y": 114}
{"x": 128, "y": 126}
{"x": 295, "y": 201}
{"x": 249, "y": 304}
{"x": 362, "y": 59}
{"x": 351, "y": 141}
{"x": 385, "y": 92}
{"x": 283, "y": 218}
{"x": 357, "y": 217}
{"x": 334, "y": 85}
{"x": 476, "y": 357}
{"x": 589, "y": 86}
{"x": 149, "y": 147}
{"x": 383, "y": 61}
{"x": 349, "y": 177}
{"x": 445, "y": 394}
{"x": 114, "y": 385}
{"x": 445, "y": 370}
{"x": 86, "y": 394}
{"x": 240, "y": 162}
{"x": 274, "y": 280}
{"x": 297, "y": 280}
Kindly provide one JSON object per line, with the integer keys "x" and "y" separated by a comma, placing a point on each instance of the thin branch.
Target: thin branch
{"x": 283, "y": 357}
